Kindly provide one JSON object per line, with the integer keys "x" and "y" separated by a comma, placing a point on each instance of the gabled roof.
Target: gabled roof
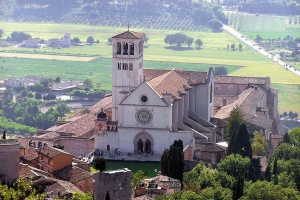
{"x": 246, "y": 101}
{"x": 240, "y": 80}
{"x": 73, "y": 174}
{"x": 51, "y": 151}
{"x": 30, "y": 154}
{"x": 209, "y": 147}
{"x": 130, "y": 35}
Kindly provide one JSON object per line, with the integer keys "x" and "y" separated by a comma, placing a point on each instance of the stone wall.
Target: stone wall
{"x": 9, "y": 160}
{"x": 117, "y": 183}
{"x": 77, "y": 146}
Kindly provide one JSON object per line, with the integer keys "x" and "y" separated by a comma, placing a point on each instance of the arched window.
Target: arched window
{"x": 30, "y": 143}
{"x": 40, "y": 145}
{"x": 108, "y": 147}
{"x": 148, "y": 148}
{"x": 125, "y": 48}
{"x": 140, "y": 146}
{"x": 119, "y": 48}
{"x": 131, "y": 48}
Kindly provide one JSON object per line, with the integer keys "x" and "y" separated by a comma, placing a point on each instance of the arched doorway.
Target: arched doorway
{"x": 140, "y": 146}
{"x": 148, "y": 146}
{"x": 143, "y": 142}
{"x": 108, "y": 147}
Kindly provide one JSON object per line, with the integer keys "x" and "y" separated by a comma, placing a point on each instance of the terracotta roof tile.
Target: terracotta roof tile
{"x": 170, "y": 82}
{"x": 72, "y": 174}
{"x": 209, "y": 147}
{"x": 30, "y": 154}
{"x": 130, "y": 35}
{"x": 51, "y": 151}
{"x": 239, "y": 80}
{"x": 60, "y": 188}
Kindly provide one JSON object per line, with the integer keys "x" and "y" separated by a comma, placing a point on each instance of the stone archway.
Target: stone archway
{"x": 143, "y": 142}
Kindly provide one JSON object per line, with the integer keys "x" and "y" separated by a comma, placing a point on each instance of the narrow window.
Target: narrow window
{"x": 125, "y": 66}
{"x": 131, "y": 48}
{"x": 119, "y": 48}
{"x": 125, "y": 48}
{"x": 130, "y": 66}
{"x": 119, "y": 66}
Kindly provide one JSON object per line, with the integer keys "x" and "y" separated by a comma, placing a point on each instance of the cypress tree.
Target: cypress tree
{"x": 275, "y": 172}
{"x": 286, "y": 138}
{"x": 107, "y": 197}
{"x": 234, "y": 123}
{"x": 4, "y": 135}
{"x": 268, "y": 173}
{"x": 243, "y": 141}
{"x": 255, "y": 169}
{"x": 239, "y": 188}
{"x": 164, "y": 162}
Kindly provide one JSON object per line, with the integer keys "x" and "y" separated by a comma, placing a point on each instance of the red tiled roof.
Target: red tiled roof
{"x": 73, "y": 174}
{"x": 51, "y": 151}
{"x": 30, "y": 154}
{"x": 60, "y": 188}
{"x": 130, "y": 35}
{"x": 239, "y": 80}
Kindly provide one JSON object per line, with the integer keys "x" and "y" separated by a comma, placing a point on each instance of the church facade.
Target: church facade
{"x": 152, "y": 108}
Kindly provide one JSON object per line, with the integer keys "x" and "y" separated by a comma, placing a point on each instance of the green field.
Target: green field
{"x": 156, "y": 55}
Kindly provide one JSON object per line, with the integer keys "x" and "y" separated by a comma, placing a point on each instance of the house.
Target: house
{"x": 26, "y": 81}
{"x": 64, "y": 87}
{"x": 63, "y": 42}
{"x": 53, "y": 159}
{"x": 31, "y": 43}
{"x": 158, "y": 185}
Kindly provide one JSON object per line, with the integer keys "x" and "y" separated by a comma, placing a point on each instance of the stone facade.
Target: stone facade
{"x": 117, "y": 183}
{"x": 9, "y": 160}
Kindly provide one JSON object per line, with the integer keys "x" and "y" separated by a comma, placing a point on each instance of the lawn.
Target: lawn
{"x": 148, "y": 167}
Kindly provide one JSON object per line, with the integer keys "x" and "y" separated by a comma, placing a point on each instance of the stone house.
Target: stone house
{"x": 52, "y": 159}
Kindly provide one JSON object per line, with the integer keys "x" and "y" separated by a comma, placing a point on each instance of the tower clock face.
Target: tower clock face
{"x": 143, "y": 116}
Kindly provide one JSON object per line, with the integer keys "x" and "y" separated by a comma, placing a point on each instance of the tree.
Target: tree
{"x": 4, "y": 135}
{"x": 285, "y": 114}
{"x": 295, "y": 136}
{"x": 259, "y": 144}
{"x": 19, "y": 36}
{"x": 286, "y": 138}
{"x": 107, "y": 197}
{"x": 38, "y": 96}
{"x": 57, "y": 80}
{"x": 255, "y": 169}
{"x": 99, "y": 164}
{"x": 1, "y": 33}
{"x": 234, "y": 123}
{"x": 275, "y": 172}
{"x": 88, "y": 83}
{"x": 62, "y": 109}
{"x": 109, "y": 41}
{"x": 291, "y": 115}
{"x": 295, "y": 115}
{"x": 81, "y": 196}
{"x": 76, "y": 40}
{"x": 234, "y": 165}
{"x": 164, "y": 162}
{"x": 232, "y": 46}
{"x": 189, "y": 41}
{"x": 268, "y": 174}
{"x": 199, "y": 43}
{"x": 136, "y": 178}
{"x": 90, "y": 40}
{"x": 221, "y": 71}
{"x": 240, "y": 47}
{"x": 146, "y": 39}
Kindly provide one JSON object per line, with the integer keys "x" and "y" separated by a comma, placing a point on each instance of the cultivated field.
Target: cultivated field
{"x": 157, "y": 55}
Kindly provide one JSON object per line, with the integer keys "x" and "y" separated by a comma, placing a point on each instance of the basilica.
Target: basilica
{"x": 149, "y": 109}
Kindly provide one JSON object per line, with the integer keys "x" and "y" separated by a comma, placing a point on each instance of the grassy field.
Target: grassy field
{"x": 156, "y": 55}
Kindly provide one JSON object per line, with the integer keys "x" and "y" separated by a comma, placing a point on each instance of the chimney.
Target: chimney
{"x": 167, "y": 98}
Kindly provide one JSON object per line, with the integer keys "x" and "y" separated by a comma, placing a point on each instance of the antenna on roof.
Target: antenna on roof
{"x": 128, "y": 25}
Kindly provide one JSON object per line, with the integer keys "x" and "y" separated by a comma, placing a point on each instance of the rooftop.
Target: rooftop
{"x": 51, "y": 151}
{"x": 130, "y": 35}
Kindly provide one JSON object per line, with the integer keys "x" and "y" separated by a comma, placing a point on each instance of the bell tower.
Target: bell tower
{"x": 127, "y": 66}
